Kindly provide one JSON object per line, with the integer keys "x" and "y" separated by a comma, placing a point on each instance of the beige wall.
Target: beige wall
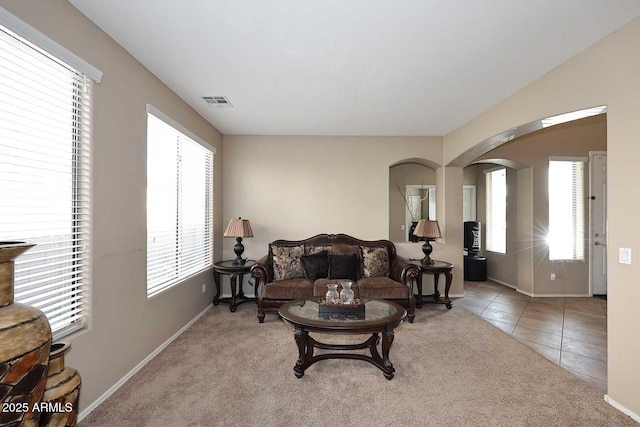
{"x": 293, "y": 187}
{"x": 574, "y": 139}
{"x": 605, "y": 74}
{"x": 401, "y": 175}
{"x": 469, "y": 175}
{"x": 450, "y": 179}
{"x": 525, "y": 222}
{"x": 500, "y": 267}
{"x": 125, "y": 326}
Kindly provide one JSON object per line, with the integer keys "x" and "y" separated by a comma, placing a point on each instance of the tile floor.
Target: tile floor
{"x": 571, "y": 332}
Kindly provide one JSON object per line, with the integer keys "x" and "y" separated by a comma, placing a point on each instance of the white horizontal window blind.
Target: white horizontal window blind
{"x": 44, "y": 179}
{"x": 566, "y": 210}
{"x": 496, "y": 193}
{"x": 179, "y": 206}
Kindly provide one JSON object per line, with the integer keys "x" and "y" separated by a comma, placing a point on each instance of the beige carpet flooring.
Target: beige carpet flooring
{"x": 452, "y": 369}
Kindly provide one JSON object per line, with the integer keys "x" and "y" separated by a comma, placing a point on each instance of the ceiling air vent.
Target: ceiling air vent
{"x": 217, "y": 101}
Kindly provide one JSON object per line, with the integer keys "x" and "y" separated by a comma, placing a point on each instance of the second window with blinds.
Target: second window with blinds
{"x": 566, "y": 209}
{"x": 179, "y": 204}
{"x": 496, "y": 230}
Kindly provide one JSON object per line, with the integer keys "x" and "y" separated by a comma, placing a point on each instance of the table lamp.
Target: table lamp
{"x": 430, "y": 231}
{"x": 238, "y": 228}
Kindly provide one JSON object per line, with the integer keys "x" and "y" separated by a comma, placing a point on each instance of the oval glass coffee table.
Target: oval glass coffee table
{"x": 380, "y": 317}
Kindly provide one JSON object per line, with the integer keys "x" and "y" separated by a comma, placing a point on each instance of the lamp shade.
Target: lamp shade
{"x": 428, "y": 229}
{"x": 238, "y": 228}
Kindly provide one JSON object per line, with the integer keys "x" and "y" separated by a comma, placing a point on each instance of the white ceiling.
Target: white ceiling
{"x": 352, "y": 67}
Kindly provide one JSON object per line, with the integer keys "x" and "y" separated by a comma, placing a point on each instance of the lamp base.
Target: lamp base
{"x": 238, "y": 248}
{"x": 427, "y": 249}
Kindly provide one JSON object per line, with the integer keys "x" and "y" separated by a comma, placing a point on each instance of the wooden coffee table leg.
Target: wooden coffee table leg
{"x": 301, "y": 336}
{"x": 372, "y": 343}
{"x": 387, "y": 340}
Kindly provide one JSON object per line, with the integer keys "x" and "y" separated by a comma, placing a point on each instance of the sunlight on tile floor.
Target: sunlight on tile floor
{"x": 571, "y": 332}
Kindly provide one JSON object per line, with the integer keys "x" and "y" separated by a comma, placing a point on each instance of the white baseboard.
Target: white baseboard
{"x": 501, "y": 282}
{"x": 139, "y": 366}
{"x": 562, "y": 295}
{"x": 621, "y": 408}
{"x": 554, "y": 295}
{"x": 531, "y": 294}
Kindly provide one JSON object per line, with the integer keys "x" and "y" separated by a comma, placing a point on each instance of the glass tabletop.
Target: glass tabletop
{"x": 230, "y": 263}
{"x": 310, "y": 310}
{"x": 436, "y": 264}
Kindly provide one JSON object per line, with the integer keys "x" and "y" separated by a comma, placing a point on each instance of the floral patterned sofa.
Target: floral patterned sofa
{"x": 302, "y": 269}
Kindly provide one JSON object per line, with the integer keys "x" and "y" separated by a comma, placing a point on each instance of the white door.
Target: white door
{"x": 598, "y": 222}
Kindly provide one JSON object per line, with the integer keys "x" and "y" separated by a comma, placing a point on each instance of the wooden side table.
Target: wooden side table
{"x": 234, "y": 271}
{"x": 434, "y": 269}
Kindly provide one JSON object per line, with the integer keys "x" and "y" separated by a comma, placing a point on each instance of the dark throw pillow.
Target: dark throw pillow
{"x": 343, "y": 266}
{"x": 316, "y": 266}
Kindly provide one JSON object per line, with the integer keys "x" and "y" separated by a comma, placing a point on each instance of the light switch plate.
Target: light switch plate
{"x": 625, "y": 256}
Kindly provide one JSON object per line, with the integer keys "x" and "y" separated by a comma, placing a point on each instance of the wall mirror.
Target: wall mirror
{"x": 412, "y": 197}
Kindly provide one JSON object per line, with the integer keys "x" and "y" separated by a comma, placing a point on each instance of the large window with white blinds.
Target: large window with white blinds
{"x": 179, "y": 204}
{"x": 44, "y": 178}
{"x": 566, "y": 210}
{"x": 496, "y": 204}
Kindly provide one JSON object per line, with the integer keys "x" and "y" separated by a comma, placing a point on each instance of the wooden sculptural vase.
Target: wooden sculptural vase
{"x": 62, "y": 391}
{"x": 25, "y": 335}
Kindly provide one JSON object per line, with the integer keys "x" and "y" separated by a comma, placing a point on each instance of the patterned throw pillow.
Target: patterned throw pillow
{"x": 375, "y": 261}
{"x": 287, "y": 262}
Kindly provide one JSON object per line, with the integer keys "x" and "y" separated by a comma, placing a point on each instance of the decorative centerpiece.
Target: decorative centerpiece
{"x": 332, "y": 296}
{"x": 342, "y": 306}
{"x": 346, "y": 294}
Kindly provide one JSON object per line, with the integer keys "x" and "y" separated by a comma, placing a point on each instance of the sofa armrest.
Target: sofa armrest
{"x": 260, "y": 272}
{"x": 404, "y": 272}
